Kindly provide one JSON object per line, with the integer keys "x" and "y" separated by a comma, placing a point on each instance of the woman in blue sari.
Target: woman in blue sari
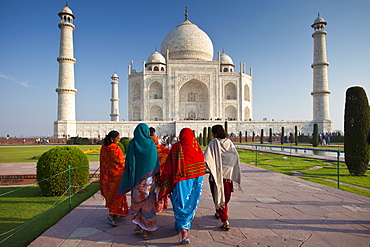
{"x": 140, "y": 167}
{"x": 182, "y": 176}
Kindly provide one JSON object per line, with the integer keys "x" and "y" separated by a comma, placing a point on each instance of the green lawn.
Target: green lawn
{"x": 309, "y": 169}
{"x": 25, "y": 214}
{"x": 31, "y": 153}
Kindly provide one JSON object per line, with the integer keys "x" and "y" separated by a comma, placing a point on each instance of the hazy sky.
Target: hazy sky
{"x": 272, "y": 36}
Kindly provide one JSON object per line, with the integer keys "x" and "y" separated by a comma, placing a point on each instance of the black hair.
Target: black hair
{"x": 152, "y": 131}
{"x": 219, "y": 131}
{"x": 108, "y": 138}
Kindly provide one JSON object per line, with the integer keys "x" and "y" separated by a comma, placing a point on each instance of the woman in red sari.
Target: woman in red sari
{"x": 182, "y": 177}
{"x": 112, "y": 164}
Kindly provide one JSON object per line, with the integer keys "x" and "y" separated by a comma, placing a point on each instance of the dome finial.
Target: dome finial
{"x": 66, "y": 4}
{"x": 156, "y": 49}
{"x": 318, "y": 14}
{"x": 186, "y": 13}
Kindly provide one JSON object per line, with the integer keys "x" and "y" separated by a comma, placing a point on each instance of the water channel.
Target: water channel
{"x": 297, "y": 150}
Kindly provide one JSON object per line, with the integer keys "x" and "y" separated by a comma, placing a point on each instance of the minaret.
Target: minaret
{"x": 65, "y": 124}
{"x": 114, "y": 108}
{"x": 320, "y": 91}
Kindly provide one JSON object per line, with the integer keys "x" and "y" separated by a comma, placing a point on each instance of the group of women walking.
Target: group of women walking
{"x": 153, "y": 174}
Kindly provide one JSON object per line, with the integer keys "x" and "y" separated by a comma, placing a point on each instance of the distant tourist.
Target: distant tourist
{"x": 140, "y": 167}
{"x": 222, "y": 160}
{"x": 182, "y": 176}
{"x": 112, "y": 164}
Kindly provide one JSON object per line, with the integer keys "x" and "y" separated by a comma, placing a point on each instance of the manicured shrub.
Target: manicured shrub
{"x": 270, "y": 136}
{"x": 210, "y": 138}
{"x": 56, "y": 161}
{"x": 240, "y": 136}
{"x": 356, "y": 127}
{"x": 253, "y": 135}
{"x": 227, "y": 129}
{"x": 282, "y": 136}
{"x": 261, "y": 140}
{"x": 200, "y": 139}
{"x": 79, "y": 141}
{"x": 296, "y": 135}
{"x": 205, "y": 136}
{"x": 315, "y": 137}
{"x": 246, "y": 136}
{"x": 125, "y": 141}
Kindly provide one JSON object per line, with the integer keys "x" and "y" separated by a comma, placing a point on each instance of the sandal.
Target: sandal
{"x": 225, "y": 226}
{"x": 185, "y": 237}
{"x": 111, "y": 221}
{"x": 146, "y": 234}
{"x": 137, "y": 229}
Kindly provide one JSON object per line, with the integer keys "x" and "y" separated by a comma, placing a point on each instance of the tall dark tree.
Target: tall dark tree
{"x": 356, "y": 127}
{"x": 282, "y": 136}
{"x": 200, "y": 139}
{"x": 210, "y": 138}
{"x": 205, "y": 136}
{"x": 240, "y": 136}
{"x": 270, "y": 135}
{"x": 296, "y": 135}
{"x": 227, "y": 128}
{"x": 246, "y": 136}
{"x": 261, "y": 140}
{"x": 315, "y": 137}
{"x": 253, "y": 135}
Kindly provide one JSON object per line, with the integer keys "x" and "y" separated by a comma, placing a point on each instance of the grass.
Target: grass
{"x": 309, "y": 169}
{"x": 31, "y": 214}
{"x": 31, "y": 153}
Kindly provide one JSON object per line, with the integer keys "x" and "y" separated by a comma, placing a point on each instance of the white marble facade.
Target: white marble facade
{"x": 183, "y": 86}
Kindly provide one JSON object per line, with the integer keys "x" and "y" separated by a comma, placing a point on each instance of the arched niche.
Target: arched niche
{"x": 194, "y": 100}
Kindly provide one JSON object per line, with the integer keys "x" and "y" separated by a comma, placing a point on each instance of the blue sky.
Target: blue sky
{"x": 272, "y": 36}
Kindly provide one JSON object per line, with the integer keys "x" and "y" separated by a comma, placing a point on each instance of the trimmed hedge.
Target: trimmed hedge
{"x": 55, "y": 161}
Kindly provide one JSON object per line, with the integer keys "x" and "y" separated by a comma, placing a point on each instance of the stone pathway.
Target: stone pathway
{"x": 272, "y": 210}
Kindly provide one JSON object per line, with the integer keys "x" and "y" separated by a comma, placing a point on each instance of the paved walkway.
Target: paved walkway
{"x": 272, "y": 210}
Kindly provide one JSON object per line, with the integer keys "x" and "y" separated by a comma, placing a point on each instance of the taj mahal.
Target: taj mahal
{"x": 184, "y": 85}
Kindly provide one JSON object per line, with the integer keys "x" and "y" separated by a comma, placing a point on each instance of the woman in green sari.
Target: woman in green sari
{"x": 141, "y": 165}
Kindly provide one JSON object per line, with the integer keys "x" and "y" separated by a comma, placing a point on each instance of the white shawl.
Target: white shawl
{"x": 223, "y": 162}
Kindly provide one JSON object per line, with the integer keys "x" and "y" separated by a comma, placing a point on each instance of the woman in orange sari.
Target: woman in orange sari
{"x": 112, "y": 164}
{"x": 163, "y": 152}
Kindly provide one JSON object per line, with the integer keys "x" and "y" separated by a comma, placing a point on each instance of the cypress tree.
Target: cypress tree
{"x": 246, "y": 136}
{"x": 253, "y": 136}
{"x": 315, "y": 138}
{"x": 240, "y": 136}
{"x": 356, "y": 127}
{"x": 282, "y": 136}
{"x": 227, "y": 129}
{"x": 205, "y": 136}
{"x": 296, "y": 135}
{"x": 209, "y": 135}
{"x": 200, "y": 139}
{"x": 261, "y": 140}
{"x": 291, "y": 137}
{"x": 270, "y": 135}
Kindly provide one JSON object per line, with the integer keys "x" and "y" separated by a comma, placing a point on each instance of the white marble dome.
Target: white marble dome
{"x": 226, "y": 59}
{"x": 156, "y": 57}
{"x": 187, "y": 42}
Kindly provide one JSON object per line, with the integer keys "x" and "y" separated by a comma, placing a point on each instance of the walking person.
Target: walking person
{"x": 112, "y": 164}
{"x": 223, "y": 162}
{"x": 140, "y": 167}
{"x": 162, "y": 157}
{"x": 182, "y": 177}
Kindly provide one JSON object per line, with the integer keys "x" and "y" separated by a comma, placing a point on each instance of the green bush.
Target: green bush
{"x": 79, "y": 141}
{"x": 356, "y": 127}
{"x": 56, "y": 161}
{"x": 315, "y": 137}
{"x": 125, "y": 141}
{"x": 200, "y": 139}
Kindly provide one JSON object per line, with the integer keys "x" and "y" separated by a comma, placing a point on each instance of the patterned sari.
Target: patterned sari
{"x": 182, "y": 176}
{"x": 163, "y": 152}
{"x": 111, "y": 169}
{"x": 141, "y": 165}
